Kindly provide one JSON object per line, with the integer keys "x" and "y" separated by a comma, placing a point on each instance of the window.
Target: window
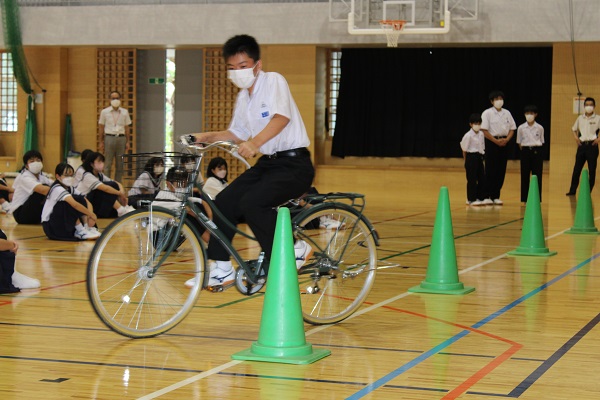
{"x": 8, "y": 95}
{"x": 334, "y": 72}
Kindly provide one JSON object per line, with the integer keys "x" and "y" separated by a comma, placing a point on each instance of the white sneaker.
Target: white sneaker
{"x": 221, "y": 275}
{"x": 190, "y": 282}
{"x": 86, "y": 235}
{"x": 303, "y": 252}
{"x": 124, "y": 210}
{"x": 326, "y": 222}
{"x": 487, "y": 202}
{"x": 498, "y": 202}
{"x": 92, "y": 229}
{"x": 24, "y": 282}
{"x": 477, "y": 203}
{"x": 5, "y": 206}
{"x": 468, "y": 203}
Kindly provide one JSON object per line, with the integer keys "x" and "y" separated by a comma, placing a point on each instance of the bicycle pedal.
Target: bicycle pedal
{"x": 219, "y": 288}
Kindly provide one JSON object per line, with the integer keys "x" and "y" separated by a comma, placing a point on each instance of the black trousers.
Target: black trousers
{"x": 253, "y": 197}
{"x": 585, "y": 153}
{"x": 532, "y": 163}
{"x": 7, "y": 268}
{"x": 30, "y": 212}
{"x": 4, "y": 193}
{"x": 496, "y": 158}
{"x": 103, "y": 202}
{"x": 476, "y": 189}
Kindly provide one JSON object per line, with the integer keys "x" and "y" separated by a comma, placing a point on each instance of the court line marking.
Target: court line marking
{"x": 481, "y": 373}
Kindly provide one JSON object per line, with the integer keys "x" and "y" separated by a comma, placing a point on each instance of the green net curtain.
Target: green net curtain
{"x": 12, "y": 41}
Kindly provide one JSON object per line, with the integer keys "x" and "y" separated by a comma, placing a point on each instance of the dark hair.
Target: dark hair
{"x": 114, "y": 91}
{"x": 177, "y": 174}
{"x": 531, "y": 108}
{"x": 62, "y": 168}
{"x": 32, "y": 154}
{"x": 589, "y": 99}
{"x": 187, "y": 158}
{"x": 85, "y": 153}
{"x": 495, "y": 93}
{"x": 474, "y": 118}
{"x": 241, "y": 44}
{"x": 88, "y": 164}
{"x": 152, "y": 161}
{"x": 216, "y": 163}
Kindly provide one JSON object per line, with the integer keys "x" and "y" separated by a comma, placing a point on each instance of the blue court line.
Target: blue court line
{"x": 385, "y": 379}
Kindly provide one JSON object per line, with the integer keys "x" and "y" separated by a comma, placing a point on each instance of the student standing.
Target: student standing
{"x": 113, "y": 129}
{"x": 498, "y": 127}
{"x": 530, "y": 138}
{"x": 585, "y": 131}
{"x": 473, "y": 148}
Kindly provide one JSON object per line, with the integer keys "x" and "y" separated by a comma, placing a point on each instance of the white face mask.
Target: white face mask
{"x": 530, "y": 117}
{"x": 589, "y": 109}
{"x": 68, "y": 181}
{"x": 242, "y": 78}
{"x": 498, "y": 104}
{"x": 190, "y": 166}
{"x": 115, "y": 103}
{"x": 476, "y": 128}
{"x": 35, "y": 167}
{"x": 159, "y": 170}
{"x": 221, "y": 174}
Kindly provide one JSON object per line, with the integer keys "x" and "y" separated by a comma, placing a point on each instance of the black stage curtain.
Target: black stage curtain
{"x": 417, "y": 102}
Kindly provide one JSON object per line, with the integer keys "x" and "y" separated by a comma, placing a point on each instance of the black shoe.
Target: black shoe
{"x": 570, "y": 194}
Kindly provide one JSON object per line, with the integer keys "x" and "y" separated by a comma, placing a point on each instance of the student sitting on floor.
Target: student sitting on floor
{"x": 80, "y": 171}
{"x": 216, "y": 177}
{"x": 6, "y": 194}
{"x": 31, "y": 188}
{"x": 107, "y": 196}
{"x": 147, "y": 185}
{"x": 67, "y": 215}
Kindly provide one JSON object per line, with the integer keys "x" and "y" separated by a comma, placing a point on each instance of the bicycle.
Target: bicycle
{"x": 137, "y": 268}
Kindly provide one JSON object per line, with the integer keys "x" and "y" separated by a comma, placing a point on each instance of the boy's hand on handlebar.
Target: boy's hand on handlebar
{"x": 247, "y": 149}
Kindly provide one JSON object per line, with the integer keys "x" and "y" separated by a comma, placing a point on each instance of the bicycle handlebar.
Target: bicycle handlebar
{"x": 202, "y": 147}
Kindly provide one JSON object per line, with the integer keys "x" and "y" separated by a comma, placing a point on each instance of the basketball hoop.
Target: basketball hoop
{"x": 392, "y": 29}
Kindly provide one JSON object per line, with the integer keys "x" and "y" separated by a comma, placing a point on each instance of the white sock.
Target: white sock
{"x": 122, "y": 208}
{"x": 86, "y": 225}
{"x": 79, "y": 228}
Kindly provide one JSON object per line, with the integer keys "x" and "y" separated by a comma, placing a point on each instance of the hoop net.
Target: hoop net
{"x": 392, "y": 29}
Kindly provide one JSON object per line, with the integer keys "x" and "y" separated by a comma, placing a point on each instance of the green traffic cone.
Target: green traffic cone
{"x": 281, "y": 338}
{"x": 533, "y": 242}
{"x": 584, "y": 212}
{"x": 442, "y": 270}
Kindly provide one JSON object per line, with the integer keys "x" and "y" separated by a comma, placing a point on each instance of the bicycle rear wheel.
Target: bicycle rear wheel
{"x": 128, "y": 294}
{"x": 337, "y": 279}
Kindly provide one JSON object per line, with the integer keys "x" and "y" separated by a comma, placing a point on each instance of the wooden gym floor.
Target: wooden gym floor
{"x": 528, "y": 331}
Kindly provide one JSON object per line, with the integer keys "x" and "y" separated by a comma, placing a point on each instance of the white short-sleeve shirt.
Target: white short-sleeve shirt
{"x": 91, "y": 182}
{"x": 530, "y": 135}
{"x": 271, "y": 95}
{"x": 473, "y": 142}
{"x": 213, "y": 187}
{"x": 587, "y": 127}
{"x": 146, "y": 182}
{"x": 57, "y": 193}
{"x": 497, "y": 123}
{"x": 24, "y": 184}
{"x": 114, "y": 121}
{"x": 78, "y": 175}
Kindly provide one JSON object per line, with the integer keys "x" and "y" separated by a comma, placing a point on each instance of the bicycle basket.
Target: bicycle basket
{"x": 158, "y": 176}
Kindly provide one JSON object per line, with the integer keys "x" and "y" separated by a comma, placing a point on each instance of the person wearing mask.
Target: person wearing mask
{"x": 216, "y": 177}
{"x": 530, "y": 138}
{"x": 585, "y": 132}
{"x": 498, "y": 126}
{"x": 147, "y": 184}
{"x": 113, "y": 131}
{"x": 30, "y": 190}
{"x": 67, "y": 215}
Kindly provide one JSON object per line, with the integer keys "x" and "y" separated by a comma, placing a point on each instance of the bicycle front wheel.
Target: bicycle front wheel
{"x": 134, "y": 286}
{"x": 337, "y": 278}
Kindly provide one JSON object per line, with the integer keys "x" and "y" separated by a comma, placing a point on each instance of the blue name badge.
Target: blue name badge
{"x": 264, "y": 114}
